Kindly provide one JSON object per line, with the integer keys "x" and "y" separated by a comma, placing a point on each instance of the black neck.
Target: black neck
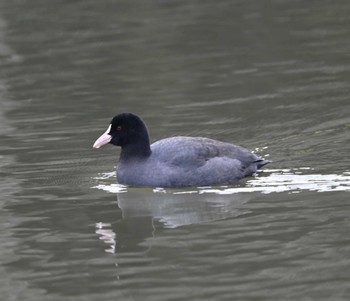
{"x": 135, "y": 151}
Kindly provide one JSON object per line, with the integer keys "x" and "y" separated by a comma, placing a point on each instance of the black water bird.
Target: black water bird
{"x": 177, "y": 161}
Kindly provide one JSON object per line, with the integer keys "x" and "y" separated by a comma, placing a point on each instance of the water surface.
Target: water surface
{"x": 272, "y": 76}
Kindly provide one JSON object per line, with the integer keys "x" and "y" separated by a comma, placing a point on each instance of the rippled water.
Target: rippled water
{"x": 272, "y": 76}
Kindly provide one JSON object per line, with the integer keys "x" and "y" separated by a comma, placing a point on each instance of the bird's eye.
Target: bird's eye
{"x": 119, "y": 128}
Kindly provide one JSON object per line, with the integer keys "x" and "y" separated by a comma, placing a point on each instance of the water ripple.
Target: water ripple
{"x": 268, "y": 181}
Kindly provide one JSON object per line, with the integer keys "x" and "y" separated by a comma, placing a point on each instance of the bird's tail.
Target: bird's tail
{"x": 262, "y": 162}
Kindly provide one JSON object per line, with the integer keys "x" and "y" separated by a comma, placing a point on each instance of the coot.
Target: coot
{"x": 177, "y": 161}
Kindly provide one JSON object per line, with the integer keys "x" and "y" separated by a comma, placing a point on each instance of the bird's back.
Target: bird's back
{"x": 190, "y": 161}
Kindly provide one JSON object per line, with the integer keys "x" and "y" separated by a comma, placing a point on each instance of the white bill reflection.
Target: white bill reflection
{"x": 107, "y": 235}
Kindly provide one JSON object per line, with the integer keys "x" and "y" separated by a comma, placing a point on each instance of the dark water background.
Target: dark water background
{"x": 272, "y": 76}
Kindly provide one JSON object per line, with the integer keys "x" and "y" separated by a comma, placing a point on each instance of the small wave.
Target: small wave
{"x": 269, "y": 181}
{"x": 289, "y": 181}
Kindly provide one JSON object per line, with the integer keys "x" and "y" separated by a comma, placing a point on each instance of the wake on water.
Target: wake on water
{"x": 268, "y": 181}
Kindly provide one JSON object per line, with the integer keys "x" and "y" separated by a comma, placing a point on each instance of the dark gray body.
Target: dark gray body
{"x": 189, "y": 161}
